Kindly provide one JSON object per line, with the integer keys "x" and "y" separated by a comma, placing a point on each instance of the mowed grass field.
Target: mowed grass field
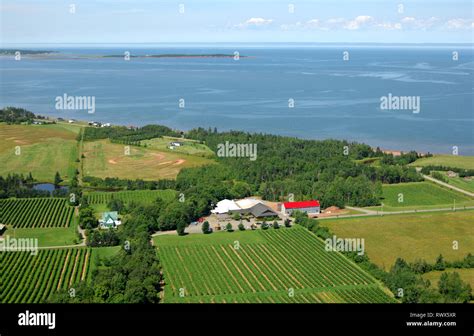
{"x": 409, "y": 236}
{"x": 273, "y": 266}
{"x": 43, "y": 150}
{"x": 106, "y": 159}
{"x": 47, "y": 237}
{"x": 191, "y": 147}
{"x": 420, "y": 195}
{"x": 457, "y": 161}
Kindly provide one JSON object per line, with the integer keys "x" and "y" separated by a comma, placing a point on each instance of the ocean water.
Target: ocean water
{"x": 333, "y": 98}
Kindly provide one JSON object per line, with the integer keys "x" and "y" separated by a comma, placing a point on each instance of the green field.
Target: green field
{"x": 466, "y": 274}
{"x": 410, "y": 236}
{"x": 105, "y": 159}
{"x": 27, "y": 278}
{"x": 460, "y": 182}
{"x": 274, "y": 266}
{"x": 420, "y": 195}
{"x": 36, "y": 212}
{"x": 55, "y": 236}
{"x": 456, "y": 161}
{"x": 137, "y": 196}
{"x": 191, "y": 147}
{"x": 39, "y": 149}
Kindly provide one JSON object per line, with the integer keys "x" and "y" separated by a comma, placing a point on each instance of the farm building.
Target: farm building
{"x": 450, "y": 173}
{"x": 310, "y": 207}
{"x": 245, "y": 206}
{"x": 109, "y": 220}
{"x": 2, "y": 229}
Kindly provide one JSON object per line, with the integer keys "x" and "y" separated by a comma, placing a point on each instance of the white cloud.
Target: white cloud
{"x": 254, "y": 22}
{"x": 258, "y": 21}
{"x": 389, "y": 25}
{"x": 414, "y": 23}
{"x": 366, "y": 21}
{"x": 314, "y": 23}
{"x": 455, "y": 24}
{"x": 358, "y": 22}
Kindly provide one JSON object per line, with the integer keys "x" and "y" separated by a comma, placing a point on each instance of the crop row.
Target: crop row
{"x": 138, "y": 196}
{"x": 289, "y": 261}
{"x": 359, "y": 294}
{"x": 36, "y": 212}
{"x": 27, "y": 278}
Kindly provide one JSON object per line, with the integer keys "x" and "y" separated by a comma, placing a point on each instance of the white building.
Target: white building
{"x": 244, "y": 206}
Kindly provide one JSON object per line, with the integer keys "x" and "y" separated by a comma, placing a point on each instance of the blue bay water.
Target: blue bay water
{"x": 333, "y": 98}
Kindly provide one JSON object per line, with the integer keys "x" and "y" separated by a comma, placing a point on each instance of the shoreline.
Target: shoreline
{"x": 394, "y": 152}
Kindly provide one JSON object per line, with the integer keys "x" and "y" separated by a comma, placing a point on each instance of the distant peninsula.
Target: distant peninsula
{"x": 25, "y": 52}
{"x": 179, "y": 56}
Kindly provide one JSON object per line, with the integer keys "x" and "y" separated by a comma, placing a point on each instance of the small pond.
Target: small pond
{"x": 48, "y": 187}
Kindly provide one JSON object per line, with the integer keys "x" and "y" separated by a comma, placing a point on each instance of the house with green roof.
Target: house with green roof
{"x": 109, "y": 220}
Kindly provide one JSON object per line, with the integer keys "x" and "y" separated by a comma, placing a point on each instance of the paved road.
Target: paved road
{"x": 400, "y": 212}
{"x": 365, "y": 211}
{"x": 444, "y": 184}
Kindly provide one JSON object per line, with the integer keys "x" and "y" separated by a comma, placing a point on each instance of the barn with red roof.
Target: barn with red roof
{"x": 310, "y": 207}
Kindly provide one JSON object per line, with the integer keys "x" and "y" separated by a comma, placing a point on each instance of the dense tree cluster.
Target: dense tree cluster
{"x": 403, "y": 159}
{"x": 18, "y": 185}
{"x": 99, "y": 238}
{"x": 15, "y": 115}
{"x": 21, "y": 186}
{"x": 127, "y": 135}
{"x": 87, "y": 218}
{"x": 326, "y": 170}
{"x": 411, "y": 288}
{"x": 131, "y": 276}
{"x": 462, "y": 172}
{"x": 113, "y": 183}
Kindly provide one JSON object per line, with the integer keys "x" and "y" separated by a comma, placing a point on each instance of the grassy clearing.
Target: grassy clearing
{"x": 466, "y": 275}
{"x": 217, "y": 238}
{"x": 420, "y": 195}
{"x": 373, "y": 162}
{"x": 410, "y": 236}
{"x": 190, "y": 147}
{"x": 47, "y": 236}
{"x": 273, "y": 266}
{"x": 460, "y": 182}
{"x": 456, "y": 161}
{"x": 43, "y": 150}
{"x": 105, "y": 159}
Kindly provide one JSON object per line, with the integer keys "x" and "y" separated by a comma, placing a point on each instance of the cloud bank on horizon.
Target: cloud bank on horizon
{"x": 145, "y": 21}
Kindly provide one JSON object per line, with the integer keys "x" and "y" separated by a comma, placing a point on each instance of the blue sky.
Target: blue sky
{"x": 145, "y": 21}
